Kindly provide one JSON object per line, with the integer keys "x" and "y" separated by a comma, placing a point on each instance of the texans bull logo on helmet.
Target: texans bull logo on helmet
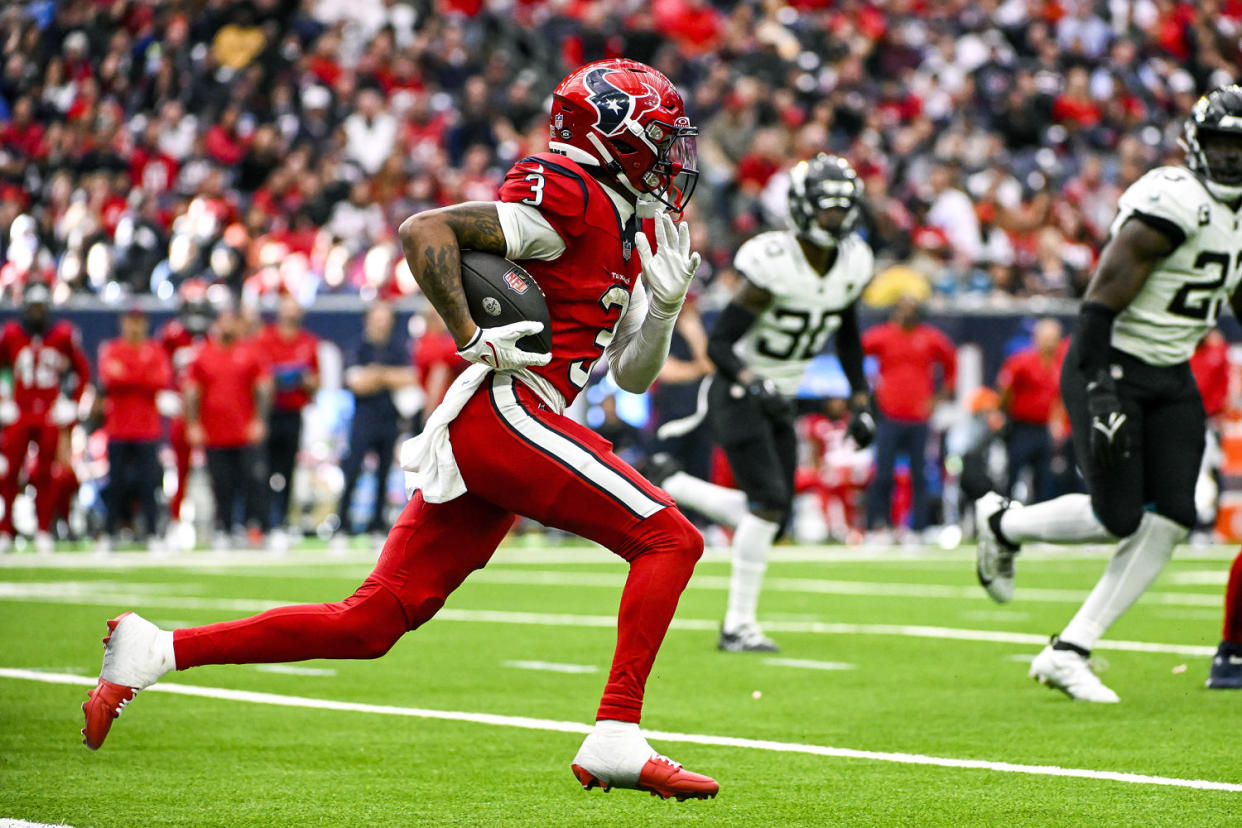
{"x": 614, "y": 105}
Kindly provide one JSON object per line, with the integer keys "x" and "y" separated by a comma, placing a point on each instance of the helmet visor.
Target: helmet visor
{"x": 678, "y": 166}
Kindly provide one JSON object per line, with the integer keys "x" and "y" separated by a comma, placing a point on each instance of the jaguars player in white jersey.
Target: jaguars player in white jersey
{"x": 1174, "y": 257}
{"x": 801, "y": 286}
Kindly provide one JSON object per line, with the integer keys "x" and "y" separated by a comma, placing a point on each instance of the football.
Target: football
{"x": 500, "y": 292}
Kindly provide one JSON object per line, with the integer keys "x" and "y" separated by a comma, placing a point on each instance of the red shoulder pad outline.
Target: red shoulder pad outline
{"x": 553, "y": 185}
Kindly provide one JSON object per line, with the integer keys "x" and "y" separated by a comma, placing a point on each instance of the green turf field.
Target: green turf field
{"x": 894, "y": 654}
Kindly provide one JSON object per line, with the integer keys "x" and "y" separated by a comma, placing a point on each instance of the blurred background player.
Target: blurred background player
{"x": 292, "y": 356}
{"x": 181, "y": 338}
{"x": 133, "y": 370}
{"x": 378, "y": 365}
{"x": 1210, "y": 365}
{"x": 436, "y": 363}
{"x": 800, "y": 287}
{"x": 909, "y": 354}
{"x": 228, "y": 395}
{"x": 44, "y": 359}
{"x": 1030, "y": 396}
{"x": 1138, "y": 420}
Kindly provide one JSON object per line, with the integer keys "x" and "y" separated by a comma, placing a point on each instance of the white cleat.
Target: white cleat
{"x": 994, "y": 562}
{"x": 43, "y": 543}
{"x": 1069, "y": 672}
{"x": 616, "y": 755}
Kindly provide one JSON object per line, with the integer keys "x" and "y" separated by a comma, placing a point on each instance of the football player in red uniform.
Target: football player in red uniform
{"x": 40, "y": 354}
{"x": 621, "y": 143}
{"x": 181, "y": 338}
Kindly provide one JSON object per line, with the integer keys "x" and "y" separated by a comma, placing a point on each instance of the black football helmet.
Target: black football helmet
{"x": 1212, "y": 138}
{"x": 824, "y": 182}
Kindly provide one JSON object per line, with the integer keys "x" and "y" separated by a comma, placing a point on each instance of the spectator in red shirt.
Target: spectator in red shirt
{"x": 292, "y": 356}
{"x": 908, "y": 352}
{"x": 436, "y": 361}
{"x": 132, "y": 370}
{"x": 227, "y": 399}
{"x": 1030, "y": 387}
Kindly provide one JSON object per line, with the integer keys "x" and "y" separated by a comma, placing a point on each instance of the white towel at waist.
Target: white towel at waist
{"x": 428, "y": 460}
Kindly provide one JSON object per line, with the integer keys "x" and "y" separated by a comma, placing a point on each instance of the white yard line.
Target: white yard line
{"x": 294, "y": 670}
{"x": 807, "y": 664}
{"x": 658, "y": 736}
{"x": 14, "y": 592}
{"x": 552, "y": 666}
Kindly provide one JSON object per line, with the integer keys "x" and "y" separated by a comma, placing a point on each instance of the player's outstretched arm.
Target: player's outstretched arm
{"x": 432, "y": 242}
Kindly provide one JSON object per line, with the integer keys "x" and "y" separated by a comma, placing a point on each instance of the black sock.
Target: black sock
{"x": 1058, "y": 644}
{"x": 994, "y": 521}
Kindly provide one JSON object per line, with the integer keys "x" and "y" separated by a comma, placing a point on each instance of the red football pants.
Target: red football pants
{"x": 181, "y": 456}
{"x": 516, "y": 457}
{"x": 1232, "y": 631}
{"x": 14, "y": 442}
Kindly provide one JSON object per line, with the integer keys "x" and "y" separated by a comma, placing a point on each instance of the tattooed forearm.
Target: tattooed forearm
{"x": 432, "y": 243}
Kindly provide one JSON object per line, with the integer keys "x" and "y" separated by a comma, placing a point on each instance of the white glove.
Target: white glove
{"x": 497, "y": 347}
{"x": 9, "y": 412}
{"x": 64, "y": 412}
{"x": 669, "y": 271}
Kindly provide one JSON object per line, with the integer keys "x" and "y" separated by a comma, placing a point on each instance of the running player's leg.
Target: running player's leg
{"x": 1226, "y": 672}
{"x": 428, "y": 554}
{"x": 525, "y": 458}
{"x": 181, "y": 458}
{"x": 1171, "y": 445}
{"x": 14, "y": 440}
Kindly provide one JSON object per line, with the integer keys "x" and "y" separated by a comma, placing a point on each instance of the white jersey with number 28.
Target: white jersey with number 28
{"x": 1179, "y": 302}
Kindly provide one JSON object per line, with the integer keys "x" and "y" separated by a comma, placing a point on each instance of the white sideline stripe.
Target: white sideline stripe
{"x": 294, "y": 670}
{"x": 832, "y": 587}
{"x": 551, "y": 666}
{"x": 252, "y": 605}
{"x": 21, "y": 823}
{"x": 218, "y": 560}
{"x": 553, "y": 725}
{"x": 808, "y": 664}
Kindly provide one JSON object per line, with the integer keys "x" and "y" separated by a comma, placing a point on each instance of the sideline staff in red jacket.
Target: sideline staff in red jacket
{"x": 908, "y": 352}
{"x": 228, "y": 396}
{"x": 1030, "y": 387}
{"x": 132, "y": 370}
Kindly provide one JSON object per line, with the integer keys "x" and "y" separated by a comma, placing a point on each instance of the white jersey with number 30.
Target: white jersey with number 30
{"x": 1179, "y": 302}
{"x": 806, "y": 306}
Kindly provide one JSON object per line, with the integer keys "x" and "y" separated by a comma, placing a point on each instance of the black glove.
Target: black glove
{"x": 862, "y": 424}
{"x": 770, "y": 401}
{"x": 1110, "y": 434}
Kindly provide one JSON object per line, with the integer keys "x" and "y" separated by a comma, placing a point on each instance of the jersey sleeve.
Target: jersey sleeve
{"x": 557, "y": 193}
{"x": 1169, "y": 199}
{"x": 528, "y": 235}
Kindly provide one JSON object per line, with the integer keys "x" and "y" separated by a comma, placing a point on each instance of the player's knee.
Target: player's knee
{"x": 1181, "y": 512}
{"x": 1120, "y": 521}
{"x": 371, "y": 621}
{"x": 666, "y": 532}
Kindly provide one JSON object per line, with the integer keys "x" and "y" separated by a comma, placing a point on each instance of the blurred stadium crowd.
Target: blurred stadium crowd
{"x": 272, "y": 147}
{"x": 275, "y": 144}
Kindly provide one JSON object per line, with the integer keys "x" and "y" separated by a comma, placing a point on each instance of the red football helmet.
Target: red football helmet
{"x": 628, "y": 118}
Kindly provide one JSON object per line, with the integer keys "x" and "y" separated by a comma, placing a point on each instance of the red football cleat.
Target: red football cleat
{"x": 662, "y": 777}
{"x": 103, "y": 704}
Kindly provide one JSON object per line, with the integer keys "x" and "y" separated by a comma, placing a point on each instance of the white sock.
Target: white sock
{"x": 615, "y": 752}
{"x": 751, "y": 543}
{"x": 168, "y": 655}
{"x": 1139, "y": 559}
{"x": 719, "y": 503}
{"x": 1065, "y": 519}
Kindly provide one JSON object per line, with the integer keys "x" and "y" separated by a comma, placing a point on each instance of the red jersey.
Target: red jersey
{"x": 1210, "y": 364}
{"x": 289, "y": 361}
{"x": 181, "y": 347}
{"x": 1034, "y": 385}
{"x": 436, "y": 349}
{"x": 588, "y": 286}
{"x": 905, "y": 387}
{"x": 226, "y": 376}
{"x": 40, "y": 363}
{"x": 131, "y": 375}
